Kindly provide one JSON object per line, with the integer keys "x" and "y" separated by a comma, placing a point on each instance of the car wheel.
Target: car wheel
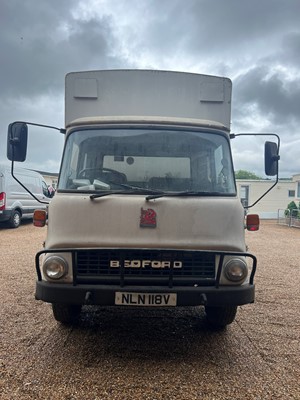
{"x": 15, "y": 219}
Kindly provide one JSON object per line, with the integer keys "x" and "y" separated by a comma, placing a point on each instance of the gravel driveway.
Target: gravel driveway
{"x": 146, "y": 354}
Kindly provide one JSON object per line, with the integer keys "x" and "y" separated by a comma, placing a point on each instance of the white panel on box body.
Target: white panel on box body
{"x": 147, "y": 93}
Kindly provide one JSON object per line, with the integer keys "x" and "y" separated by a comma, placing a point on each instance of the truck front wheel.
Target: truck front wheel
{"x": 65, "y": 313}
{"x": 219, "y": 317}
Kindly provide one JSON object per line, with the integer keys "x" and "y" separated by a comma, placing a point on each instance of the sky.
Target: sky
{"x": 254, "y": 43}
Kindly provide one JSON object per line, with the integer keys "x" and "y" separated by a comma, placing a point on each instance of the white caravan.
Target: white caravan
{"x": 146, "y": 212}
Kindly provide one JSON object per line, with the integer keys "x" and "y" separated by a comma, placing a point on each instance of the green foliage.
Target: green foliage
{"x": 242, "y": 174}
{"x": 290, "y": 207}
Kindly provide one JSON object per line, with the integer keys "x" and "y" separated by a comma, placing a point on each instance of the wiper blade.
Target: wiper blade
{"x": 180, "y": 194}
{"x": 133, "y": 190}
{"x": 137, "y": 188}
{"x": 107, "y": 193}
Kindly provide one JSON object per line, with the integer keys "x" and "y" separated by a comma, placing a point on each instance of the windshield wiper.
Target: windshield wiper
{"x": 107, "y": 193}
{"x": 133, "y": 190}
{"x": 181, "y": 194}
{"x": 155, "y": 194}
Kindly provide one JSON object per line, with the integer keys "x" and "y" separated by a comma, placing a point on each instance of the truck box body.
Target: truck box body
{"x": 147, "y": 93}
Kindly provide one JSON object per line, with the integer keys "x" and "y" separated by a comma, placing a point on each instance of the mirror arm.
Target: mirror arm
{"x": 274, "y": 184}
{"x": 61, "y": 130}
{"x": 275, "y": 158}
{"x": 14, "y": 141}
{"x": 234, "y": 135}
{"x": 23, "y": 186}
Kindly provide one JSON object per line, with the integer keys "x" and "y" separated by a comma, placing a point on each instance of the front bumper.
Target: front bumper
{"x": 105, "y": 294}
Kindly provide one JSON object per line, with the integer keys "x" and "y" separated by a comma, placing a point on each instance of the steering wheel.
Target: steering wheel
{"x": 106, "y": 175}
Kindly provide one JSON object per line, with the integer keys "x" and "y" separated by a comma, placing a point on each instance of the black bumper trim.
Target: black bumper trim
{"x": 105, "y": 294}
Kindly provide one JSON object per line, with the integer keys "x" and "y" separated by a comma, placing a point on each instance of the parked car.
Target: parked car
{"x": 15, "y": 202}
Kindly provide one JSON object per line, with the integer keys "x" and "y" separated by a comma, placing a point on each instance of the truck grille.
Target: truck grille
{"x": 109, "y": 265}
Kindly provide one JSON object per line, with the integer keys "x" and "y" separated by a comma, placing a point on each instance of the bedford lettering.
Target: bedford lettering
{"x": 146, "y": 263}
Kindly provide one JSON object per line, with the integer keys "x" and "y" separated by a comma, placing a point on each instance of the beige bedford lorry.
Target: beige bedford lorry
{"x": 146, "y": 212}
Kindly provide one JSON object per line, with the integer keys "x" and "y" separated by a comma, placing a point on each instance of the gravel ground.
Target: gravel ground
{"x": 146, "y": 354}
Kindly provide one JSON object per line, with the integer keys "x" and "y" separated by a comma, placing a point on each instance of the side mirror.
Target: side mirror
{"x": 17, "y": 141}
{"x": 271, "y": 158}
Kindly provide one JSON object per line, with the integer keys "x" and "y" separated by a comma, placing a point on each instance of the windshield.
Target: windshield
{"x": 147, "y": 160}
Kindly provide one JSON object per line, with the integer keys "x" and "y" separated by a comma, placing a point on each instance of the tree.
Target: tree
{"x": 242, "y": 174}
{"x": 291, "y": 209}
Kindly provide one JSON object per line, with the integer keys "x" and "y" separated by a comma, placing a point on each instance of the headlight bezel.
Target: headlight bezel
{"x": 60, "y": 263}
{"x": 231, "y": 270}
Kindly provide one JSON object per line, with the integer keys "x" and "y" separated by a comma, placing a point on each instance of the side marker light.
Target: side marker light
{"x": 252, "y": 222}
{"x": 39, "y": 218}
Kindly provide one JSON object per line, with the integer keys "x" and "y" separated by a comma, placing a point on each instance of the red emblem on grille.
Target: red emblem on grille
{"x": 148, "y": 218}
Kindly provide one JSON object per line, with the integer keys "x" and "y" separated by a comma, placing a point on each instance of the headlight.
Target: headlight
{"x": 236, "y": 270}
{"x": 55, "y": 267}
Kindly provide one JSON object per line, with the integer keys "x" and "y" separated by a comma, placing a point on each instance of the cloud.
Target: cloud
{"x": 256, "y": 44}
{"x": 45, "y": 41}
{"x": 213, "y": 32}
{"x": 276, "y": 96}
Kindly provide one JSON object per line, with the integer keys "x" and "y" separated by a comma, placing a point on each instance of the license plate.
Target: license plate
{"x": 145, "y": 299}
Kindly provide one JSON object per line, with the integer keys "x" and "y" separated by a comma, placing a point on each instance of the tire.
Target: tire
{"x": 66, "y": 314}
{"x": 15, "y": 219}
{"x": 220, "y": 317}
